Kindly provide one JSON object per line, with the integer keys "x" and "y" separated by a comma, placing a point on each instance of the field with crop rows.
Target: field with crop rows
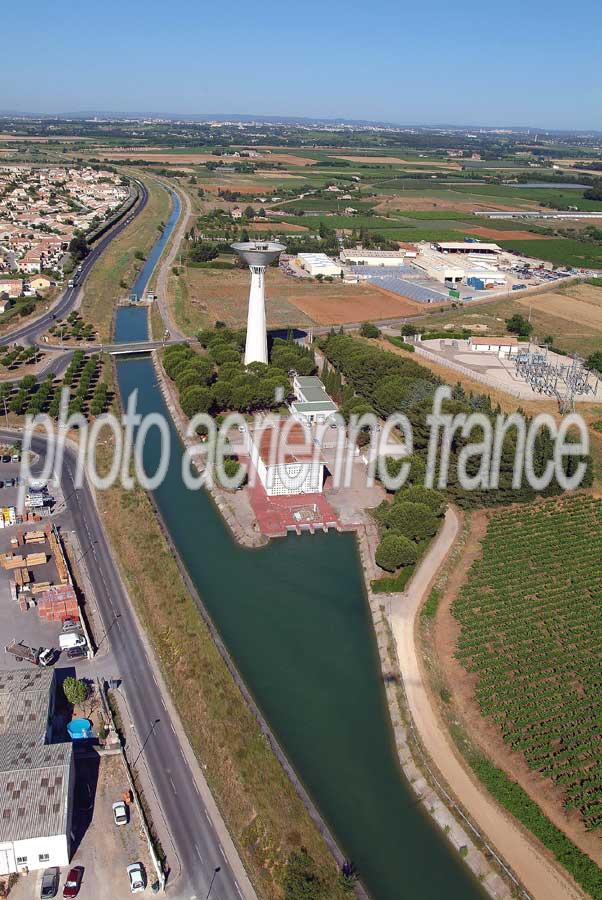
{"x": 531, "y": 617}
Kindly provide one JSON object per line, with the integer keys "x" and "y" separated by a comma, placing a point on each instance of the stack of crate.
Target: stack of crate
{"x": 59, "y": 556}
{"x": 12, "y": 561}
{"x": 58, "y": 603}
{"x": 36, "y": 559}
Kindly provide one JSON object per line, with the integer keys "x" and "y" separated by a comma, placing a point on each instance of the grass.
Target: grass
{"x": 560, "y": 251}
{"x": 569, "y": 335}
{"x": 118, "y": 263}
{"x": 264, "y": 815}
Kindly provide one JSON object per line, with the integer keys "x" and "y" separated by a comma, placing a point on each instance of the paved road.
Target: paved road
{"x": 201, "y": 842}
{"x": 539, "y": 875}
{"x": 28, "y": 334}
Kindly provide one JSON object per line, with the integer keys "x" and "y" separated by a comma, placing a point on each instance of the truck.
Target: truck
{"x": 71, "y": 639}
{"x": 42, "y": 657}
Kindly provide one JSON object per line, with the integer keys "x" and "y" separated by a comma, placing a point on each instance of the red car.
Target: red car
{"x": 73, "y": 883}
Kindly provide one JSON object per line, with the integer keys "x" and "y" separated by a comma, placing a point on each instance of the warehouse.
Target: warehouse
{"x": 460, "y": 269}
{"x": 36, "y": 778}
{"x": 286, "y": 460}
{"x": 316, "y": 264}
{"x": 473, "y": 247}
{"x": 313, "y": 403}
{"x": 361, "y": 257}
{"x": 438, "y": 268}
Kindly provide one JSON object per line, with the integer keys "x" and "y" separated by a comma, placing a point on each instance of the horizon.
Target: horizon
{"x": 391, "y": 66}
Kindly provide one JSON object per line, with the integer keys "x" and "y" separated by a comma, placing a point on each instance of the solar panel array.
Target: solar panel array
{"x": 410, "y": 290}
{"x": 380, "y": 271}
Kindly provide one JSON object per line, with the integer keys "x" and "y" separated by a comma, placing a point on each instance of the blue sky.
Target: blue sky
{"x": 516, "y": 63}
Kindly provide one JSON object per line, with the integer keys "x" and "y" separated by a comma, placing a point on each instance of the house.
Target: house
{"x": 286, "y": 459}
{"x": 236, "y": 213}
{"x": 313, "y": 403}
{"x": 36, "y": 777}
{"x": 13, "y": 287}
{"x": 40, "y": 283}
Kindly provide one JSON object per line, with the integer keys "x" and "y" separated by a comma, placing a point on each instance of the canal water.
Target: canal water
{"x": 295, "y": 618}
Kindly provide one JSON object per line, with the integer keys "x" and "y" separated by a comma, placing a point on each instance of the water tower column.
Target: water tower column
{"x": 256, "y": 348}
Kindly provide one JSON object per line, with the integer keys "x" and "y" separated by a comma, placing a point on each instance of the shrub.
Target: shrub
{"x": 395, "y": 550}
{"x": 369, "y": 330}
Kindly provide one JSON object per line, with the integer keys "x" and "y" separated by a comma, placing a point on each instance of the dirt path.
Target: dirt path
{"x": 539, "y": 875}
{"x": 166, "y": 263}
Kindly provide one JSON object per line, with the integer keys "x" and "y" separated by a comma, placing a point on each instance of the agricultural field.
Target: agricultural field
{"x": 570, "y": 315}
{"x": 531, "y": 631}
{"x": 203, "y": 296}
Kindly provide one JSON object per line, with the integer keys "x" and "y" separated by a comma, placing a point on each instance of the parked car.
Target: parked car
{"x": 120, "y": 813}
{"x": 71, "y": 625}
{"x": 77, "y": 652}
{"x": 50, "y": 884}
{"x": 5, "y": 458}
{"x": 1, "y": 484}
{"x": 137, "y": 877}
{"x": 73, "y": 882}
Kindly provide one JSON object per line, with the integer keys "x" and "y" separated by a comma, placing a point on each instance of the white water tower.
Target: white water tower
{"x": 258, "y": 255}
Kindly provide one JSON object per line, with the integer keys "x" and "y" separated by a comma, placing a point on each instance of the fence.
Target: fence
{"x": 522, "y": 394}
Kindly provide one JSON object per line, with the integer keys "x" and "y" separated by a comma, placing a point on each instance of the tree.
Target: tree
{"x": 594, "y": 361}
{"x": 368, "y": 330}
{"x": 195, "y": 400}
{"x": 414, "y": 520}
{"x": 395, "y": 550}
{"x": 78, "y": 247}
{"x": 75, "y": 690}
{"x": 517, "y": 324}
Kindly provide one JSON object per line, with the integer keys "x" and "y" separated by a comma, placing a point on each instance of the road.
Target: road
{"x": 538, "y": 874}
{"x": 198, "y": 833}
{"x": 28, "y": 334}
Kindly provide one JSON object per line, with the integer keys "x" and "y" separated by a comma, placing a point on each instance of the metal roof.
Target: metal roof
{"x": 311, "y": 389}
{"x": 35, "y": 777}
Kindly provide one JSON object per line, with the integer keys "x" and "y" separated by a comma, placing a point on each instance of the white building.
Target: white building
{"x": 452, "y": 270}
{"x": 286, "y": 459}
{"x": 313, "y": 403}
{"x": 363, "y": 257}
{"x": 502, "y": 346}
{"x": 36, "y": 778}
{"x": 319, "y": 264}
{"x": 471, "y": 247}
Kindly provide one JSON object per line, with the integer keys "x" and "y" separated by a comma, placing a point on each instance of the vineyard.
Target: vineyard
{"x": 531, "y": 617}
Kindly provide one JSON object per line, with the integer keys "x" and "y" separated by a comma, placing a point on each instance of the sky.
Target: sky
{"x": 522, "y": 62}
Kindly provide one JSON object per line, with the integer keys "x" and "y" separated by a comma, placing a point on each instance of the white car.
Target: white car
{"x": 137, "y": 878}
{"x": 120, "y": 813}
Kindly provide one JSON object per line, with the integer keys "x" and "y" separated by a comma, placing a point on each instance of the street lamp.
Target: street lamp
{"x": 215, "y": 871}
{"x": 146, "y": 740}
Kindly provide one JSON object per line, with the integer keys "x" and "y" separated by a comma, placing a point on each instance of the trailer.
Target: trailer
{"x": 45, "y": 656}
{"x": 23, "y": 652}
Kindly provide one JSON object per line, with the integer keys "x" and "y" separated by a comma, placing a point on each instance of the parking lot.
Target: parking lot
{"x": 103, "y": 849}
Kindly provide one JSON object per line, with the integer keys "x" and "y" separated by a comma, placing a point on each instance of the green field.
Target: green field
{"x": 531, "y": 619}
{"x": 560, "y": 251}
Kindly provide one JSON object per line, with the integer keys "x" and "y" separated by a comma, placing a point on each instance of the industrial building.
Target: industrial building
{"x": 286, "y": 460}
{"x": 473, "y": 247}
{"x": 361, "y": 257}
{"x": 36, "y": 777}
{"x": 313, "y": 403}
{"x": 463, "y": 269}
{"x": 319, "y": 264}
{"x": 503, "y": 346}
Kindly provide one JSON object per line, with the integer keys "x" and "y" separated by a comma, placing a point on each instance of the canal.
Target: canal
{"x": 295, "y": 618}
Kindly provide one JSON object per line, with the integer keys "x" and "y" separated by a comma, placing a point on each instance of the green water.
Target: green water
{"x": 295, "y": 618}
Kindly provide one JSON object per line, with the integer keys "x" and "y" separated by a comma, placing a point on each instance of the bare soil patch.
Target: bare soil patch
{"x": 581, "y": 304}
{"x": 485, "y": 734}
{"x": 341, "y": 304}
{"x": 460, "y": 205}
{"x": 498, "y": 234}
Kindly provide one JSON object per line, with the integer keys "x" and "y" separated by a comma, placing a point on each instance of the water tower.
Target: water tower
{"x": 257, "y": 255}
